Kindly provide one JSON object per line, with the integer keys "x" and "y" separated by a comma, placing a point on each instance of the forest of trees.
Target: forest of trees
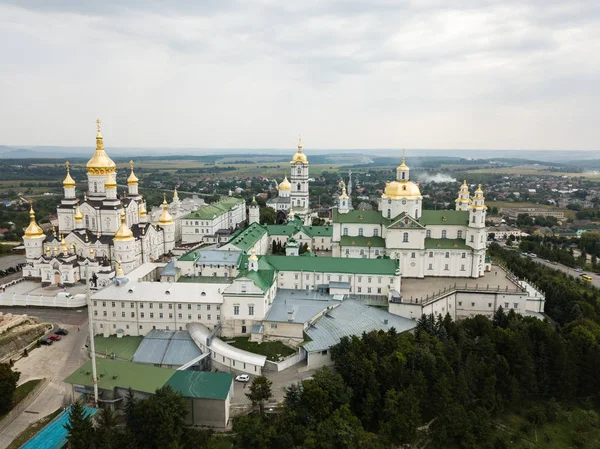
{"x": 447, "y": 385}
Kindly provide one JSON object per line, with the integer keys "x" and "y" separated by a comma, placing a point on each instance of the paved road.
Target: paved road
{"x": 569, "y": 270}
{"x": 11, "y": 260}
{"x": 55, "y": 362}
{"x": 77, "y": 317}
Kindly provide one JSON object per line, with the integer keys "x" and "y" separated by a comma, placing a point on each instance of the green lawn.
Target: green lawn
{"x": 32, "y": 430}
{"x": 23, "y": 390}
{"x": 272, "y": 349}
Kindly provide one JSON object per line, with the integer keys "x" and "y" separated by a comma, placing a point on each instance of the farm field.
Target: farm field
{"x": 534, "y": 170}
{"x": 568, "y": 213}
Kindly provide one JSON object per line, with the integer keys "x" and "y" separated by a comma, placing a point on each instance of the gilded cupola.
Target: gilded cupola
{"x": 132, "y": 179}
{"x": 285, "y": 184}
{"x": 299, "y": 156}
{"x": 100, "y": 163}
{"x": 123, "y": 234}
{"x": 69, "y": 181}
{"x": 165, "y": 218}
{"x": 33, "y": 230}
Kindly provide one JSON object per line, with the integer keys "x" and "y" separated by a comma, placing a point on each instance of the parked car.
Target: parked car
{"x": 62, "y": 331}
{"x": 578, "y": 270}
{"x": 54, "y": 337}
{"x": 45, "y": 341}
{"x": 242, "y": 378}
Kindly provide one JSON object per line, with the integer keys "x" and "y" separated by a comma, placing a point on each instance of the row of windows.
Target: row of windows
{"x": 405, "y": 236}
{"x": 506, "y": 305}
{"x": 160, "y": 305}
{"x": 359, "y": 278}
{"x": 160, "y": 315}
{"x": 358, "y": 290}
{"x": 446, "y": 268}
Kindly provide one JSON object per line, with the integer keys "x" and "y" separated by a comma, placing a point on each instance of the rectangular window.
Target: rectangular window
{"x": 208, "y": 317}
{"x": 446, "y": 267}
{"x": 178, "y": 306}
{"x": 369, "y": 280}
{"x": 189, "y": 316}
{"x": 506, "y": 305}
{"x": 296, "y": 276}
{"x": 273, "y": 325}
{"x": 430, "y": 253}
{"x": 413, "y": 255}
{"x": 460, "y": 303}
{"x": 462, "y": 268}
{"x": 250, "y": 310}
{"x": 132, "y": 314}
{"x": 179, "y": 315}
{"x": 489, "y": 304}
{"x": 95, "y": 313}
{"x": 516, "y": 305}
{"x": 378, "y": 289}
{"x": 207, "y": 307}
{"x": 113, "y": 304}
{"x": 189, "y": 307}
{"x": 151, "y": 305}
{"x": 368, "y": 289}
{"x": 160, "y": 305}
{"x": 464, "y": 255}
{"x": 160, "y": 315}
{"x": 141, "y": 305}
{"x": 151, "y": 315}
{"x": 95, "y": 303}
{"x": 447, "y": 255}
{"x": 198, "y": 306}
{"x": 199, "y": 316}
{"x": 218, "y": 317}
{"x": 359, "y": 289}
{"x": 472, "y": 304}
{"x": 236, "y": 310}
{"x": 170, "y": 316}
{"x": 114, "y": 314}
{"x": 430, "y": 266}
{"x": 122, "y": 314}
{"x": 122, "y": 304}
{"x": 141, "y": 314}
{"x": 360, "y": 279}
{"x": 170, "y": 306}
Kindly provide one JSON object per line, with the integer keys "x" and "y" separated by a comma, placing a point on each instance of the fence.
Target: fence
{"x": 15, "y": 300}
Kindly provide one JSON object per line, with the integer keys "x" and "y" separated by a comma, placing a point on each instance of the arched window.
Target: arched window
{"x": 404, "y": 176}
{"x": 389, "y": 213}
{"x": 473, "y": 221}
{"x": 376, "y": 232}
{"x": 299, "y": 170}
{"x": 360, "y": 231}
{"x": 459, "y": 235}
{"x": 345, "y": 231}
{"x": 298, "y": 186}
{"x": 95, "y": 187}
{"x": 362, "y": 252}
{"x": 405, "y": 237}
{"x": 444, "y": 234}
{"x": 428, "y": 234}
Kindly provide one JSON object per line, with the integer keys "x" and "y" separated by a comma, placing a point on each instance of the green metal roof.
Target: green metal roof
{"x": 249, "y": 236}
{"x": 348, "y": 240}
{"x": 333, "y": 264}
{"x": 360, "y": 216}
{"x": 123, "y": 348}
{"x": 263, "y": 279}
{"x": 318, "y": 231}
{"x": 280, "y": 230}
{"x": 444, "y": 217}
{"x": 201, "y": 384}
{"x": 446, "y": 244}
{"x": 215, "y": 209}
{"x": 114, "y": 373}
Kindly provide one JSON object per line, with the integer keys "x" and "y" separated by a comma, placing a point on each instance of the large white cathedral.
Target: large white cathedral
{"x": 449, "y": 243}
{"x": 101, "y": 229}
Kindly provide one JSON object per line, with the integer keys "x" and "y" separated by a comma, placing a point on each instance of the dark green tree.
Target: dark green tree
{"x": 260, "y": 391}
{"x": 106, "y": 431}
{"x": 160, "y": 419}
{"x": 267, "y": 215}
{"x": 80, "y": 429}
{"x": 8, "y": 385}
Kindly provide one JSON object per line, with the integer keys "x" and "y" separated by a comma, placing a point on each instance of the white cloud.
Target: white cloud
{"x": 346, "y": 74}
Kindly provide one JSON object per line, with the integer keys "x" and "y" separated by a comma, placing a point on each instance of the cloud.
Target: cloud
{"x": 346, "y": 74}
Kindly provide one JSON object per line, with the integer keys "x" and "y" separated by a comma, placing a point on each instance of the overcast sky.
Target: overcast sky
{"x": 344, "y": 74}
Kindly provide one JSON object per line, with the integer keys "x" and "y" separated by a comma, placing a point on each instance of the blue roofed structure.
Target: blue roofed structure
{"x": 167, "y": 349}
{"x": 54, "y": 435}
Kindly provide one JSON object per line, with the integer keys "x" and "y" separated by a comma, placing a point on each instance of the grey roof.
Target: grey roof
{"x": 170, "y": 269}
{"x": 304, "y": 305}
{"x": 279, "y": 199}
{"x": 351, "y": 317}
{"x": 218, "y": 257}
{"x": 166, "y": 348}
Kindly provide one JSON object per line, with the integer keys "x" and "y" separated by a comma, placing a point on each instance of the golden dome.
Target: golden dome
{"x": 175, "y": 195}
{"x": 285, "y": 184}
{"x": 402, "y": 166}
{"x": 479, "y": 190}
{"x": 299, "y": 156}
{"x": 100, "y": 163}
{"x": 344, "y": 195}
{"x": 142, "y": 209}
{"x": 132, "y": 180}
{"x": 402, "y": 190}
{"x": 68, "y": 182}
{"x": 120, "y": 272}
{"x": 252, "y": 255}
{"x": 123, "y": 234}
{"x": 111, "y": 182}
{"x": 33, "y": 230}
{"x": 63, "y": 245}
{"x": 78, "y": 214}
{"x": 165, "y": 218}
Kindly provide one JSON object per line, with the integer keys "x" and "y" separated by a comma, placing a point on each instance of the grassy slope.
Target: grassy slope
{"x": 272, "y": 349}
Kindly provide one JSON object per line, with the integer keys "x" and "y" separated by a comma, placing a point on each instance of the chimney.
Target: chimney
{"x": 290, "y": 314}
{"x": 385, "y": 321}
